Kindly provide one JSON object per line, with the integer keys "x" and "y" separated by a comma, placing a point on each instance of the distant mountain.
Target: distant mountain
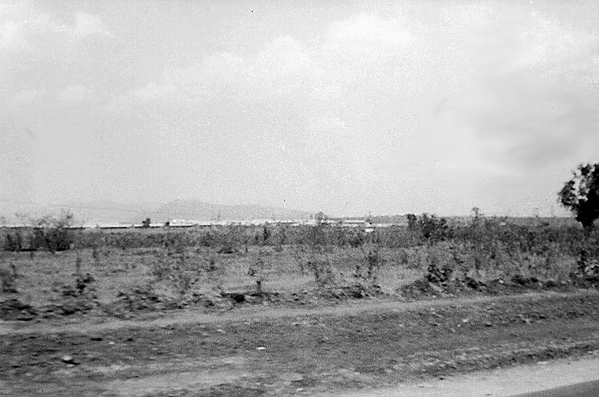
{"x": 110, "y": 212}
{"x": 201, "y": 211}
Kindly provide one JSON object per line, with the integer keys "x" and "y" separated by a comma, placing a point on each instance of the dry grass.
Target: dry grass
{"x": 179, "y": 263}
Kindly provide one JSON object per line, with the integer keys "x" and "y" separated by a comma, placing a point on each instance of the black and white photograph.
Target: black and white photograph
{"x": 336, "y": 198}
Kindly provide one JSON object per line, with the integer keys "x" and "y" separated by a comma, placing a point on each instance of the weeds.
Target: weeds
{"x": 373, "y": 262}
{"x": 176, "y": 270}
{"x": 443, "y": 254}
{"x": 257, "y": 271}
{"x": 8, "y": 280}
{"x": 322, "y": 270}
{"x": 78, "y": 264}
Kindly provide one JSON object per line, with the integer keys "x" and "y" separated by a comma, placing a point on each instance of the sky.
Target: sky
{"x": 345, "y": 107}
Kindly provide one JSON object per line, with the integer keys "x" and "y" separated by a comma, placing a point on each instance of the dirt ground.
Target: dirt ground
{"x": 257, "y": 351}
{"x": 571, "y": 377}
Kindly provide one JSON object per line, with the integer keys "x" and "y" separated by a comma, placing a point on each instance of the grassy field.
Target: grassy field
{"x": 430, "y": 299}
{"x": 155, "y": 269}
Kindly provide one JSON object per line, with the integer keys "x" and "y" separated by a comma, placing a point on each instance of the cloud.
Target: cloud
{"x": 327, "y": 86}
{"x": 282, "y": 66}
{"x": 526, "y": 116}
{"x": 363, "y": 47}
{"x": 526, "y": 40}
{"x": 327, "y": 135}
{"x": 88, "y": 24}
{"x": 367, "y": 34}
{"x": 350, "y": 49}
{"x": 27, "y": 97}
{"x": 24, "y": 27}
{"x": 212, "y": 74}
{"x": 279, "y": 68}
{"x": 150, "y": 93}
{"x": 509, "y": 106}
{"x": 75, "y": 93}
{"x": 526, "y": 119}
{"x": 153, "y": 91}
{"x": 551, "y": 43}
{"x": 354, "y": 109}
{"x": 12, "y": 36}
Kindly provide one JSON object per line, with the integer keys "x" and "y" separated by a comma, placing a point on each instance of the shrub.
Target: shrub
{"x": 322, "y": 271}
{"x": 83, "y": 287}
{"x": 176, "y": 271}
{"x": 13, "y": 240}
{"x": 433, "y": 228}
{"x": 8, "y": 280}
{"x": 257, "y": 271}
{"x": 436, "y": 273}
{"x": 429, "y": 228}
{"x": 373, "y": 264}
{"x": 54, "y": 232}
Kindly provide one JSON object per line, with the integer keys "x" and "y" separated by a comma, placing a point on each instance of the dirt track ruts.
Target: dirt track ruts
{"x": 261, "y": 313}
{"x": 262, "y": 351}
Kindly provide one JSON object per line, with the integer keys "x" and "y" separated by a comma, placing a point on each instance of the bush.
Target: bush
{"x": 8, "y": 280}
{"x": 429, "y": 228}
{"x": 437, "y": 273}
{"x": 54, "y": 233}
{"x": 322, "y": 269}
{"x": 13, "y": 240}
{"x": 373, "y": 262}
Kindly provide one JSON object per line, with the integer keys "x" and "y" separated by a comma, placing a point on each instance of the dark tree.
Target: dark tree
{"x": 412, "y": 221}
{"x": 320, "y": 217}
{"x": 146, "y": 223}
{"x": 581, "y": 194}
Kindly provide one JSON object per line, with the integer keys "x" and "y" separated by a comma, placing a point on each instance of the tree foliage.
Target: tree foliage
{"x": 429, "y": 227}
{"x": 581, "y": 194}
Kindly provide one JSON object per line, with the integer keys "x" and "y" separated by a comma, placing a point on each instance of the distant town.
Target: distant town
{"x": 185, "y": 223}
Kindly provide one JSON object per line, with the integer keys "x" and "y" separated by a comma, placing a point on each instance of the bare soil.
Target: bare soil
{"x": 577, "y": 376}
{"x": 256, "y": 350}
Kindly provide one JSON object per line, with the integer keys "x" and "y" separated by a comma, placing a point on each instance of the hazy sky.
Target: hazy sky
{"x": 345, "y": 107}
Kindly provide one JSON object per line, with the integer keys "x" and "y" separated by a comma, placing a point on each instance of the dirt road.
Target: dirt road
{"x": 502, "y": 382}
{"x": 257, "y": 351}
{"x": 257, "y": 313}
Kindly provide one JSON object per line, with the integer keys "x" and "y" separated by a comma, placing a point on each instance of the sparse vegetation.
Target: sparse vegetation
{"x": 150, "y": 271}
{"x": 54, "y": 233}
{"x": 480, "y": 255}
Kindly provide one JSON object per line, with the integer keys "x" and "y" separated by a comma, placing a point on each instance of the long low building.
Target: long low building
{"x": 182, "y": 223}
